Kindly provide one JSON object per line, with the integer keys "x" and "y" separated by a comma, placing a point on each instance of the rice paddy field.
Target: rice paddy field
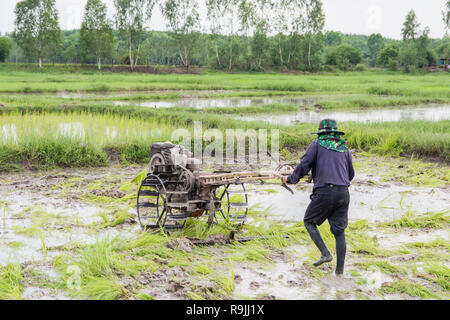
{"x": 74, "y": 146}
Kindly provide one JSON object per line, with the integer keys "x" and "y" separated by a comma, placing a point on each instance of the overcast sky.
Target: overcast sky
{"x": 348, "y": 16}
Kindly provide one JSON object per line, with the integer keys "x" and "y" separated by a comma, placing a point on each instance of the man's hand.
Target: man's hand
{"x": 285, "y": 180}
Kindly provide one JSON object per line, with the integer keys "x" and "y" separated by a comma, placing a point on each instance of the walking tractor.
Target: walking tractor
{"x": 175, "y": 190}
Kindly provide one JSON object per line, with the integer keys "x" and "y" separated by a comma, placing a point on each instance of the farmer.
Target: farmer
{"x": 332, "y": 170}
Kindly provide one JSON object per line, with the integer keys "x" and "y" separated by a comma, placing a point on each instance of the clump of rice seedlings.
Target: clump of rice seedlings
{"x": 383, "y": 265}
{"x": 144, "y": 296}
{"x": 361, "y": 243}
{"x": 226, "y": 283}
{"x": 145, "y": 240}
{"x": 15, "y": 244}
{"x": 11, "y": 282}
{"x": 27, "y": 231}
{"x": 359, "y": 225}
{"x": 432, "y": 220}
{"x": 440, "y": 243}
{"x": 103, "y": 289}
{"x": 409, "y": 288}
{"x": 119, "y": 217}
{"x": 254, "y": 251}
{"x": 440, "y": 275}
{"x": 203, "y": 269}
{"x": 133, "y": 184}
{"x": 97, "y": 260}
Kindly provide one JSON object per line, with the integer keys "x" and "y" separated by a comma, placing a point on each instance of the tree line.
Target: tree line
{"x": 238, "y": 35}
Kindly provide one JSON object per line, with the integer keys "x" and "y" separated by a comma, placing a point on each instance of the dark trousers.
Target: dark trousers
{"x": 330, "y": 203}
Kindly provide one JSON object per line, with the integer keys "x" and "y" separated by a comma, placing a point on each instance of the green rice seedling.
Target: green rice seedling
{"x": 15, "y": 244}
{"x": 98, "y": 259}
{"x": 194, "y": 296}
{"x": 440, "y": 273}
{"x": 409, "y": 288}
{"x": 254, "y": 251}
{"x": 104, "y": 216}
{"x": 144, "y": 296}
{"x": 146, "y": 240}
{"x": 411, "y": 219}
{"x": 11, "y": 282}
{"x": 383, "y": 265}
{"x": 226, "y": 283}
{"x": 43, "y": 247}
{"x": 203, "y": 269}
{"x": 359, "y": 225}
{"x": 439, "y": 243}
{"x": 361, "y": 243}
{"x": 103, "y": 289}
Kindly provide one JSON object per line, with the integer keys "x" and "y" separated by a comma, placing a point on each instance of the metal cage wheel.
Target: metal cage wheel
{"x": 152, "y": 203}
{"x": 235, "y": 211}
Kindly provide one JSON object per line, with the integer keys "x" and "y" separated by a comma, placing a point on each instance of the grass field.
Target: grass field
{"x": 30, "y": 105}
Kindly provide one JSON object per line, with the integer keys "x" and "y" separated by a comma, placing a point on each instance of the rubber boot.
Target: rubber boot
{"x": 318, "y": 241}
{"x": 341, "y": 249}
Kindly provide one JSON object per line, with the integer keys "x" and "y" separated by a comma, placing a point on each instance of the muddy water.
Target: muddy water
{"x": 431, "y": 113}
{"x": 219, "y": 103}
{"x": 371, "y": 202}
{"x": 287, "y": 277}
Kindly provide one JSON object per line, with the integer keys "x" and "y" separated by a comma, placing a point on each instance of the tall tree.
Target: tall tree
{"x": 411, "y": 26}
{"x": 183, "y": 20}
{"x": 424, "y": 55}
{"x": 332, "y": 38}
{"x": 446, "y": 15}
{"x": 131, "y": 16}
{"x": 5, "y": 47}
{"x": 389, "y": 56}
{"x": 375, "y": 43}
{"x": 37, "y": 30}
{"x": 96, "y": 37}
{"x": 259, "y": 46}
{"x": 214, "y": 14}
{"x": 314, "y": 24}
{"x": 293, "y": 14}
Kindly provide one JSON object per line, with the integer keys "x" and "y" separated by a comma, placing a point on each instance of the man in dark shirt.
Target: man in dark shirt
{"x": 332, "y": 171}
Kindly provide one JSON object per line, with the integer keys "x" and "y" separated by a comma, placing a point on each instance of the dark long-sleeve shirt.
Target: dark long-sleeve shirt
{"x": 328, "y": 167}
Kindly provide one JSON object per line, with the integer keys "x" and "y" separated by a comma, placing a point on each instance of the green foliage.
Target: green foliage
{"x": 375, "y": 43}
{"x": 131, "y": 17}
{"x": 446, "y": 15}
{"x": 183, "y": 20}
{"x": 429, "y": 220}
{"x": 259, "y": 46}
{"x": 410, "y": 29}
{"x": 11, "y": 282}
{"x": 344, "y": 57}
{"x": 5, "y": 47}
{"x": 332, "y": 39}
{"x": 37, "y": 30}
{"x": 96, "y": 37}
{"x": 409, "y": 288}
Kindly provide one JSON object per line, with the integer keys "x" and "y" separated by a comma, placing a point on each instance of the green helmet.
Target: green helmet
{"x": 328, "y": 126}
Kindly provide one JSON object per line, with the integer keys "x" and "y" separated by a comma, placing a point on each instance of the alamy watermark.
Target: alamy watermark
{"x": 230, "y": 146}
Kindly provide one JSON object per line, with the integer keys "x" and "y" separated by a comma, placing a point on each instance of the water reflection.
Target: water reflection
{"x": 430, "y": 113}
{"x": 217, "y": 103}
